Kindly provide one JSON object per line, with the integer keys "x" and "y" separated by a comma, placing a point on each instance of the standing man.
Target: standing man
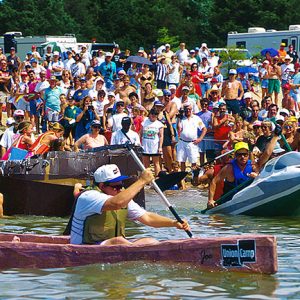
{"x": 293, "y": 54}
{"x": 168, "y": 53}
{"x": 118, "y": 57}
{"x": 102, "y": 210}
{"x": 161, "y": 73}
{"x": 56, "y": 66}
{"x": 69, "y": 61}
{"x": 77, "y": 68}
{"x": 188, "y": 128}
{"x": 108, "y": 70}
{"x": 274, "y": 74}
{"x": 52, "y": 101}
{"x": 13, "y": 61}
{"x": 182, "y": 54}
{"x": 125, "y": 134}
{"x": 281, "y": 53}
{"x": 232, "y": 91}
{"x": 5, "y": 79}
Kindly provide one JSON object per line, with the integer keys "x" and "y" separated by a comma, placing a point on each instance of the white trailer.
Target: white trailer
{"x": 24, "y": 43}
{"x": 258, "y": 38}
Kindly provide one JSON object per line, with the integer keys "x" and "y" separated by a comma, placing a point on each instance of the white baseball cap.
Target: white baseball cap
{"x": 55, "y": 53}
{"x": 109, "y": 173}
{"x": 111, "y": 94}
{"x": 247, "y": 95}
{"x": 108, "y": 54}
{"x": 172, "y": 86}
{"x": 232, "y": 71}
{"x": 19, "y": 112}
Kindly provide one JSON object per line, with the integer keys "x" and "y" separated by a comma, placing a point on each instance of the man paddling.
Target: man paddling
{"x": 102, "y": 209}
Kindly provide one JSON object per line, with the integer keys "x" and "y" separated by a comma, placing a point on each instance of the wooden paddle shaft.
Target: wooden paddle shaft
{"x": 217, "y": 157}
{"x": 158, "y": 190}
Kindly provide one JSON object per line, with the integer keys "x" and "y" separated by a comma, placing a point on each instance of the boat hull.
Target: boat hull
{"x": 240, "y": 253}
{"x": 44, "y": 186}
{"x": 275, "y": 192}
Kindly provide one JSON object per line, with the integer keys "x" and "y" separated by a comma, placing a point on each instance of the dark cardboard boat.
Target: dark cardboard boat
{"x": 44, "y": 185}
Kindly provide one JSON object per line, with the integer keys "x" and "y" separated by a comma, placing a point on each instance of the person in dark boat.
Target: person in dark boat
{"x": 102, "y": 209}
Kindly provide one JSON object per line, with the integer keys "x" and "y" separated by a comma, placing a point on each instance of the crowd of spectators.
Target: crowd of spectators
{"x": 175, "y": 104}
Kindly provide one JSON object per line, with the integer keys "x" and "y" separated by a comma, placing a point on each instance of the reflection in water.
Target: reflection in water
{"x": 141, "y": 280}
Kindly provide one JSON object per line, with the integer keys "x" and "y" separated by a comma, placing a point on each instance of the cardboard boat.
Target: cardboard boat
{"x": 275, "y": 192}
{"x": 239, "y": 253}
{"x": 44, "y": 185}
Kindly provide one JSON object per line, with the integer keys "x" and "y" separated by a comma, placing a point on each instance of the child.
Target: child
{"x": 69, "y": 121}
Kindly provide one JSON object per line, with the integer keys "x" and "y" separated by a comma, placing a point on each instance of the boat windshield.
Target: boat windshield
{"x": 286, "y": 160}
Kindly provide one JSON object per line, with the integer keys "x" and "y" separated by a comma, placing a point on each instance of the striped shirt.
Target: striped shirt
{"x": 161, "y": 72}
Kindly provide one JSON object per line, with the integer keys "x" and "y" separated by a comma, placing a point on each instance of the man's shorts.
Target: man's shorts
{"x": 233, "y": 106}
{"x": 273, "y": 86}
{"x": 3, "y": 97}
{"x": 187, "y": 150}
{"x": 264, "y": 83}
{"x": 52, "y": 115}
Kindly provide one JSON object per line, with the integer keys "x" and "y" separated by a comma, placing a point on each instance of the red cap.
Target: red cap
{"x": 296, "y": 65}
{"x": 33, "y": 47}
{"x": 286, "y": 86}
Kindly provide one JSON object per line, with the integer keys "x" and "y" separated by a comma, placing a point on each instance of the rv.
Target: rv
{"x": 24, "y": 43}
{"x": 258, "y": 38}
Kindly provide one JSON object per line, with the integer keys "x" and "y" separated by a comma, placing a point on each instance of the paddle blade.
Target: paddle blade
{"x": 167, "y": 181}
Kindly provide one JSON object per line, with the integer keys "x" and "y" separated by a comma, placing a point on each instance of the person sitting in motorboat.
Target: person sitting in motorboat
{"x": 241, "y": 168}
{"x": 103, "y": 208}
{"x": 43, "y": 142}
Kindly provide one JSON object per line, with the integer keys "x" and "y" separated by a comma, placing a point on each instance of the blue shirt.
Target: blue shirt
{"x": 108, "y": 70}
{"x": 51, "y": 97}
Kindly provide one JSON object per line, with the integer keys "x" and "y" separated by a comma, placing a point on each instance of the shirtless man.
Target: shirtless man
{"x": 274, "y": 74}
{"x": 232, "y": 91}
{"x": 93, "y": 139}
{"x": 241, "y": 168}
{"x": 125, "y": 90}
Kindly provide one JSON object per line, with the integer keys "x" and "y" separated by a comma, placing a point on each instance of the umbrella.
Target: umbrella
{"x": 273, "y": 52}
{"x": 55, "y": 46}
{"x": 139, "y": 60}
{"x": 246, "y": 70}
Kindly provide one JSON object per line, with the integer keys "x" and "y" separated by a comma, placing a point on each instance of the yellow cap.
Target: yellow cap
{"x": 241, "y": 145}
{"x": 292, "y": 119}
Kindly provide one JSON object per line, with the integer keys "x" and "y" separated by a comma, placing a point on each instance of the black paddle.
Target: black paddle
{"x": 158, "y": 190}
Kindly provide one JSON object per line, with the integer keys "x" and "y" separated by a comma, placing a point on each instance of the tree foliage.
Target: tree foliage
{"x": 135, "y": 23}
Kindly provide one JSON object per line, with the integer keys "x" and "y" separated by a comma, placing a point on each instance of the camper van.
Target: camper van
{"x": 258, "y": 38}
{"x": 24, "y": 43}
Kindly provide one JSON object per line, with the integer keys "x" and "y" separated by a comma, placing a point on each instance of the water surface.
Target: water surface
{"x": 140, "y": 280}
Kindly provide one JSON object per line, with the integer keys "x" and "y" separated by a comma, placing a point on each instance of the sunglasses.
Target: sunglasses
{"x": 242, "y": 154}
{"x": 120, "y": 104}
{"x": 288, "y": 127}
{"x": 264, "y": 127}
{"x": 214, "y": 93}
{"x": 256, "y": 127}
{"x": 96, "y": 126}
{"x": 115, "y": 186}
